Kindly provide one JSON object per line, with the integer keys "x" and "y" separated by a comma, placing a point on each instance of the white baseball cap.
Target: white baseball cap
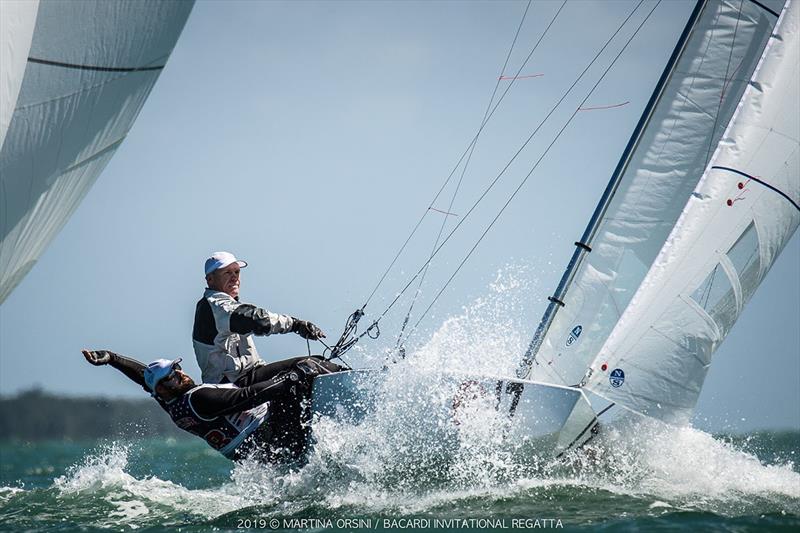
{"x": 221, "y": 260}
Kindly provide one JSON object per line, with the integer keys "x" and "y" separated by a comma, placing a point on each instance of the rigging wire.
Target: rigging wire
{"x": 399, "y": 345}
{"x": 350, "y": 334}
{"x": 516, "y": 154}
{"x": 461, "y": 158}
{"x": 602, "y": 107}
{"x": 555, "y": 139}
{"x": 346, "y": 342}
{"x": 505, "y": 78}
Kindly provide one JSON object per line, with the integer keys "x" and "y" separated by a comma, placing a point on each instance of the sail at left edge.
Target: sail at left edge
{"x": 83, "y": 77}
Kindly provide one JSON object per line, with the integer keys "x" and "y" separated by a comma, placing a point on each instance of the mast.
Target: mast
{"x": 583, "y": 246}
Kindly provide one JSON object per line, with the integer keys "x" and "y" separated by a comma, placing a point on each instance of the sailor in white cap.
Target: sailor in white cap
{"x": 224, "y": 327}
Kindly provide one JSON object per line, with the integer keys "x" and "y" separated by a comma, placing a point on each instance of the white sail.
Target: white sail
{"x": 742, "y": 214}
{"x": 657, "y": 175}
{"x": 90, "y": 67}
{"x": 17, "y": 20}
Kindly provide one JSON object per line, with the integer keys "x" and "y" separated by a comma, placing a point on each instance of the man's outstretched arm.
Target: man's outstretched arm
{"x": 132, "y": 368}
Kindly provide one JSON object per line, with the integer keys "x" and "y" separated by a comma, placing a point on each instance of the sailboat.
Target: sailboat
{"x": 704, "y": 198}
{"x": 74, "y": 77}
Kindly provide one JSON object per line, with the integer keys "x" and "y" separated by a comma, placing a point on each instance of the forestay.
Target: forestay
{"x": 656, "y": 177}
{"x": 737, "y": 221}
{"x": 88, "y": 67}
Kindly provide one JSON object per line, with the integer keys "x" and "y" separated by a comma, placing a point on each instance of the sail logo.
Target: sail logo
{"x": 617, "y": 378}
{"x": 574, "y": 334}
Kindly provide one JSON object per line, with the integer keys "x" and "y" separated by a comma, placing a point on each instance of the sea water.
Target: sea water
{"x": 686, "y": 478}
{"x": 407, "y": 468}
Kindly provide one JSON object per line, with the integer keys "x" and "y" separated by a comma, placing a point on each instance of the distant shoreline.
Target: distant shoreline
{"x": 36, "y": 415}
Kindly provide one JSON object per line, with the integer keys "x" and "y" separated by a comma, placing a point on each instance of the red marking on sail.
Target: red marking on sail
{"x": 520, "y": 77}
{"x": 743, "y": 188}
{"x": 442, "y": 212}
{"x": 603, "y": 106}
{"x": 740, "y": 197}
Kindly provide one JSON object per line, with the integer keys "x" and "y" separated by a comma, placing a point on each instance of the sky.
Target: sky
{"x": 309, "y": 137}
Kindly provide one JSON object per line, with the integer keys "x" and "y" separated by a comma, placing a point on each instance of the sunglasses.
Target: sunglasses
{"x": 169, "y": 377}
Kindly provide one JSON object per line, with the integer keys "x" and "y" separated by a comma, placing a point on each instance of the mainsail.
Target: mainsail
{"x": 76, "y": 79}
{"x": 689, "y": 111}
{"x": 736, "y": 222}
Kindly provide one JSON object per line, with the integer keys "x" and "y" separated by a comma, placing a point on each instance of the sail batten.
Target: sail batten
{"x": 760, "y": 181}
{"x": 98, "y": 68}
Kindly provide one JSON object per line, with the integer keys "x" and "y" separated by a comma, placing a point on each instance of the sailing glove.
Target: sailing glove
{"x": 307, "y": 330}
{"x": 97, "y": 357}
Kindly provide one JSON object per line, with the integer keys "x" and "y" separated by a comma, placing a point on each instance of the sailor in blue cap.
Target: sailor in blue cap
{"x": 268, "y": 420}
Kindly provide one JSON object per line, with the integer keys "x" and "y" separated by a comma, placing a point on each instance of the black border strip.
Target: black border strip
{"x": 90, "y": 67}
{"x": 764, "y": 183}
{"x": 765, "y": 8}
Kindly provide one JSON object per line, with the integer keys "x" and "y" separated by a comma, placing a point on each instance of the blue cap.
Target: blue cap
{"x": 158, "y": 370}
{"x": 221, "y": 260}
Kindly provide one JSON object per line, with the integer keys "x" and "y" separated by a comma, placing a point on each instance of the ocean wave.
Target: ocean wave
{"x": 103, "y": 478}
{"x": 9, "y": 492}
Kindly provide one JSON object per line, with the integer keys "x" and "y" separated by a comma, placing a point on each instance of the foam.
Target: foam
{"x": 6, "y": 493}
{"x": 103, "y": 474}
{"x": 687, "y": 466}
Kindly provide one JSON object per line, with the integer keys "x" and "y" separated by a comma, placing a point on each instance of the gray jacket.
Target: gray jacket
{"x": 223, "y": 335}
